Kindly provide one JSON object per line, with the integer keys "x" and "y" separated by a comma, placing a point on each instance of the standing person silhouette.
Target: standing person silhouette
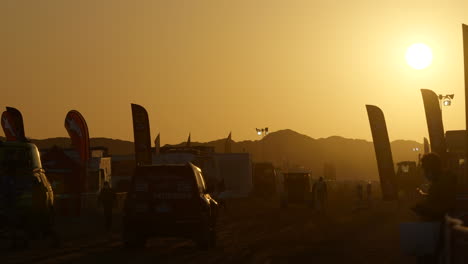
{"x": 107, "y": 199}
{"x": 221, "y": 188}
{"x": 369, "y": 192}
{"x": 360, "y": 194}
{"x": 321, "y": 195}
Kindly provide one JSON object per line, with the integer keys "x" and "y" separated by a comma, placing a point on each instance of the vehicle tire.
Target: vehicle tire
{"x": 134, "y": 240}
{"x": 51, "y": 232}
{"x": 207, "y": 239}
{"x": 203, "y": 242}
{"x": 284, "y": 203}
{"x": 213, "y": 239}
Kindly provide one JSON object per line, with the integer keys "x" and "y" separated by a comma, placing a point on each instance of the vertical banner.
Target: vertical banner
{"x": 227, "y": 144}
{"x": 141, "y": 134}
{"x": 383, "y": 153}
{"x": 157, "y": 144}
{"x": 434, "y": 122}
{"x": 465, "y": 61}
{"x": 77, "y": 128}
{"x": 12, "y": 124}
{"x": 189, "y": 143}
{"x": 426, "y": 146}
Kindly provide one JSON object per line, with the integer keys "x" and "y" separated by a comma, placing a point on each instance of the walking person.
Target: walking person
{"x": 221, "y": 189}
{"x": 360, "y": 195}
{"x": 320, "y": 195}
{"x": 369, "y": 193}
{"x": 313, "y": 203}
{"x": 107, "y": 199}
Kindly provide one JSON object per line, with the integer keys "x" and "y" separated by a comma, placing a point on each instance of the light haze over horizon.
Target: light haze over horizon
{"x": 210, "y": 67}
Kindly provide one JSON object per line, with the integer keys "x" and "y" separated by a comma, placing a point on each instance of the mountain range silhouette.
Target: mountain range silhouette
{"x": 353, "y": 158}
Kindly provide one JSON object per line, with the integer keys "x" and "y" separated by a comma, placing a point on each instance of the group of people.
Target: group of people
{"x": 360, "y": 194}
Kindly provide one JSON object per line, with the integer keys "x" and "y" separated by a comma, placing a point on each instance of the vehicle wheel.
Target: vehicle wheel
{"x": 134, "y": 240}
{"x": 213, "y": 238}
{"x": 52, "y": 234}
{"x": 207, "y": 239}
{"x": 19, "y": 240}
{"x": 203, "y": 243}
{"x": 284, "y": 204}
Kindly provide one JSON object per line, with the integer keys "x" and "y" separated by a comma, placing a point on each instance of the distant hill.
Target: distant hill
{"x": 353, "y": 158}
{"x": 115, "y": 146}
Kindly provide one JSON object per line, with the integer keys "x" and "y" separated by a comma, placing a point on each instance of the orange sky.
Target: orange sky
{"x": 210, "y": 67}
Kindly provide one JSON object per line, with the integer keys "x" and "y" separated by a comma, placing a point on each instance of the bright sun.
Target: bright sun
{"x": 419, "y": 56}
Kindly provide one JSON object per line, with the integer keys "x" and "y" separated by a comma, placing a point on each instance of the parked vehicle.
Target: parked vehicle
{"x": 409, "y": 178}
{"x": 169, "y": 200}
{"x": 297, "y": 188}
{"x": 264, "y": 179}
{"x": 26, "y": 196}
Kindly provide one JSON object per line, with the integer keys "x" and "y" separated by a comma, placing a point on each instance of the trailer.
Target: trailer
{"x": 297, "y": 188}
{"x": 236, "y": 171}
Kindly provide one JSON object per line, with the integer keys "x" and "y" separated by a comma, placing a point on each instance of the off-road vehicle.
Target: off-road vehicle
{"x": 26, "y": 196}
{"x": 169, "y": 200}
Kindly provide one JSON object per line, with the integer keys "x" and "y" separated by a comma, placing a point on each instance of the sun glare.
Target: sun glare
{"x": 419, "y": 56}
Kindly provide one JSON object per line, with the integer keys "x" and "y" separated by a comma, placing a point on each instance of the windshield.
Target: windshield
{"x": 16, "y": 164}
{"x": 15, "y": 158}
{"x": 164, "y": 180}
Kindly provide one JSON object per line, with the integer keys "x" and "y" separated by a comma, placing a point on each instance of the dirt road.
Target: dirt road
{"x": 255, "y": 231}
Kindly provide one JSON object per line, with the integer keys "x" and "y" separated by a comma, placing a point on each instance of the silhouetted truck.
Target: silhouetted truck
{"x": 409, "y": 177}
{"x": 456, "y": 143}
{"x": 264, "y": 179}
{"x": 169, "y": 201}
{"x": 26, "y": 197}
{"x": 297, "y": 188}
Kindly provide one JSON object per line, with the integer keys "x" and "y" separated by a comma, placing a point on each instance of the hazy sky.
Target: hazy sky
{"x": 211, "y": 67}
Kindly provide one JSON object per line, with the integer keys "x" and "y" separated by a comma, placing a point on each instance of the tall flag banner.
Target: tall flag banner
{"x": 189, "y": 143}
{"x": 77, "y": 128}
{"x": 141, "y": 133}
{"x": 383, "y": 153}
{"x": 227, "y": 144}
{"x": 157, "y": 144}
{"x": 465, "y": 61}
{"x": 426, "y": 146}
{"x": 12, "y": 124}
{"x": 434, "y": 122}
